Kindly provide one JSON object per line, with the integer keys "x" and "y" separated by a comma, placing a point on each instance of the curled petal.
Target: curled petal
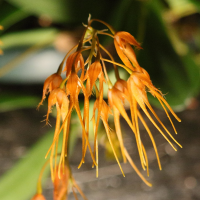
{"x": 58, "y": 96}
{"x": 128, "y": 38}
{"x": 93, "y": 73}
{"x": 74, "y": 59}
{"x": 73, "y": 86}
{"x": 51, "y": 83}
{"x": 123, "y": 57}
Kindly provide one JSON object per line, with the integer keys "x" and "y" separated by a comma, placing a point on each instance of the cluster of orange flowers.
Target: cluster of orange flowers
{"x": 88, "y": 76}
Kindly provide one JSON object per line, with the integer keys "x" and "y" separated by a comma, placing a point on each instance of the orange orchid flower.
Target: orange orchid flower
{"x": 104, "y": 112}
{"x": 115, "y": 99}
{"x": 123, "y": 41}
{"x": 64, "y": 182}
{"x": 59, "y": 98}
{"x": 61, "y": 184}
{"x": 51, "y": 83}
{"x": 137, "y": 84}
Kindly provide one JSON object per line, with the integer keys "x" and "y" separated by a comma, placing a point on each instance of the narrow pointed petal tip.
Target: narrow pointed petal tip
{"x": 38, "y": 197}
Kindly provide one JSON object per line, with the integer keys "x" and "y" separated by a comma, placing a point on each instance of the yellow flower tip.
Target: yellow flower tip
{"x": 82, "y": 161}
{"x": 38, "y": 197}
{"x": 149, "y": 184}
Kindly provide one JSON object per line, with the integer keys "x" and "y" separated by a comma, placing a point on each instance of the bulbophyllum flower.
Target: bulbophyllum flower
{"x": 137, "y": 84}
{"x": 59, "y": 98}
{"x": 104, "y": 113}
{"x": 64, "y": 182}
{"x": 38, "y": 197}
{"x": 61, "y": 183}
{"x": 51, "y": 83}
{"x": 115, "y": 99}
{"x": 123, "y": 41}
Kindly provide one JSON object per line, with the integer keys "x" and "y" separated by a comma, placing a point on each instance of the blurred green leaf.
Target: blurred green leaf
{"x": 13, "y": 102}
{"x": 26, "y": 38}
{"x": 196, "y": 3}
{"x": 182, "y": 8}
{"x": 57, "y": 10}
{"x": 20, "y": 182}
{"x": 169, "y": 72}
{"x": 10, "y": 15}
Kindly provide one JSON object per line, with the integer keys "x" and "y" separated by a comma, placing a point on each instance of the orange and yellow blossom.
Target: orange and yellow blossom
{"x": 104, "y": 113}
{"x": 61, "y": 184}
{"x": 59, "y": 98}
{"x": 138, "y": 83}
{"x": 115, "y": 99}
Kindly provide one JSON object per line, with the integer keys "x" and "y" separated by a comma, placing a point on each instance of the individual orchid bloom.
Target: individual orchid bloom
{"x": 61, "y": 183}
{"x": 93, "y": 73}
{"x": 104, "y": 112}
{"x": 123, "y": 41}
{"x": 64, "y": 182}
{"x": 122, "y": 86}
{"x": 59, "y": 98}
{"x": 38, "y": 197}
{"x": 138, "y": 83}
{"x": 115, "y": 99}
{"x": 51, "y": 83}
{"x": 72, "y": 87}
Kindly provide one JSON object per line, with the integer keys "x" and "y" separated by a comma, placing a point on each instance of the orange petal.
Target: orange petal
{"x": 51, "y": 83}
{"x": 38, "y": 197}
{"x": 123, "y": 57}
{"x": 128, "y": 38}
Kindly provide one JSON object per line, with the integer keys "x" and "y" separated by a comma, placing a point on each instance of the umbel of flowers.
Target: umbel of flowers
{"x": 88, "y": 76}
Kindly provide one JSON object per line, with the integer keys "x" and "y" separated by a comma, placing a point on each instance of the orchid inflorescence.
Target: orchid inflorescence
{"x": 88, "y": 76}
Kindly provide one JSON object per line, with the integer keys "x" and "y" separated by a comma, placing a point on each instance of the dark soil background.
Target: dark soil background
{"x": 178, "y": 180}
